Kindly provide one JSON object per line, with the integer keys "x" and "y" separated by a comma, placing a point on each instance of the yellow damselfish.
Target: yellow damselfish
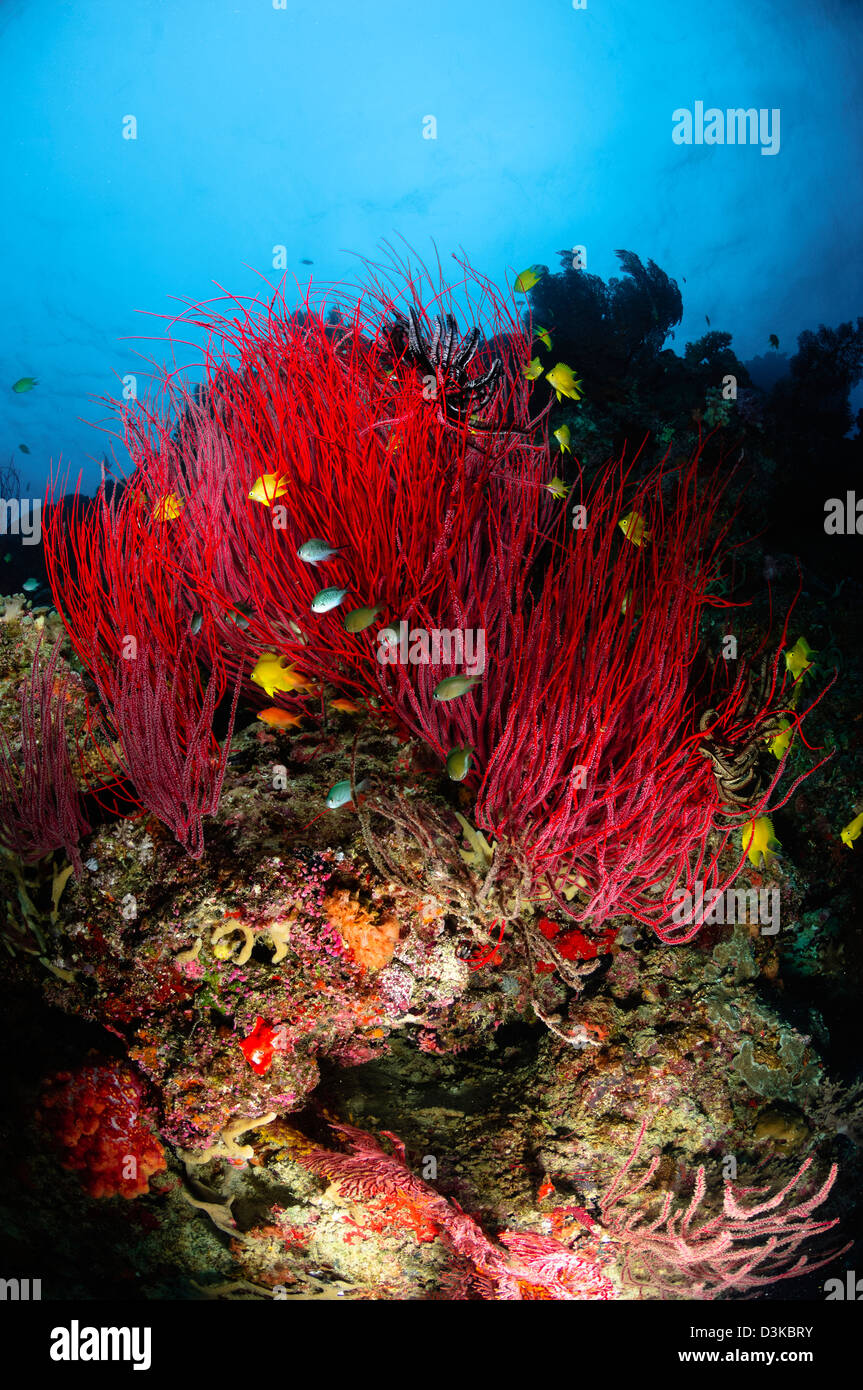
{"x": 267, "y": 488}
{"x": 272, "y": 674}
{"x": 530, "y": 277}
{"x": 779, "y": 745}
{"x": 797, "y": 658}
{"x": 634, "y": 528}
{"x": 760, "y": 832}
{"x": 797, "y": 663}
{"x": 852, "y": 832}
{"x": 565, "y": 382}
{"x": 168, "y": 508}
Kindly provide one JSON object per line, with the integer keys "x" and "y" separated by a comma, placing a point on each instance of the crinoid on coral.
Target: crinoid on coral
{"x": 755, "y": 715}
{"x": 443, "y": 360}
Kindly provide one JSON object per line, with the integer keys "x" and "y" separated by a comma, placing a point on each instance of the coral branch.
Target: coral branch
{"x": 40, "y": 801}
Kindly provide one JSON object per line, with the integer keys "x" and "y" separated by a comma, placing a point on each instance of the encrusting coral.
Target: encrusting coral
{"x": 372, "y": 939}
{"x": 98, "y": 1119}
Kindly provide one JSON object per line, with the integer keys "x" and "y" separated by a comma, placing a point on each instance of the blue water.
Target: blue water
{"x": 303, "y": 127}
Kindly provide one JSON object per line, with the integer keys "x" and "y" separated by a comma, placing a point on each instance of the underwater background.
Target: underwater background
{"x": 341, "y": 960}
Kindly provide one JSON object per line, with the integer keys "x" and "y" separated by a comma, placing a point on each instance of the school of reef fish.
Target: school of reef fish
{"x": 426, "y": 848}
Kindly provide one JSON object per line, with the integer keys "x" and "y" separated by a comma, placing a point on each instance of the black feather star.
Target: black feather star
{"x": 445, "y": 358}
{"x": 736, "y": 761}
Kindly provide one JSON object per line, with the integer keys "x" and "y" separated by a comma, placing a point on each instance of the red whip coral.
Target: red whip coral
{"x": 594, "y": 779}
{"x": 40, "y": 801}
{"x": 364, "y": 456}
{"x": 184, "y": 564}
{"x": 412, "y": 453}
{"x": 163, "y": 720}
{"x": 98, "y": 1120}
{"x": 115, "y": 573}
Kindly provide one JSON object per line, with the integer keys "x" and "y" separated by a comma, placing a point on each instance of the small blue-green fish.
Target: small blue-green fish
{"x": 238, "y": 619}
{"x": 451, "y": 687}
{"x": 8, "y": 556}
{"x": 195, "y": 624}
{"x": 325, "y": 599}
{"x": 361, "y": 618}
{"x": 24, "y": 383}
{"x": 23, "y": 448}
{"x": 314, "y": 551}
{"x": 30, "y": 586}
{"x": 458, "y": 762}
{"x": 388, "y": 640}
{"x": 340, "y": 794}
{"x": 544, "y": 336}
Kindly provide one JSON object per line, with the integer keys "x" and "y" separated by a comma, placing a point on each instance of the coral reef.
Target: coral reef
{"x": 523, "y": 916}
